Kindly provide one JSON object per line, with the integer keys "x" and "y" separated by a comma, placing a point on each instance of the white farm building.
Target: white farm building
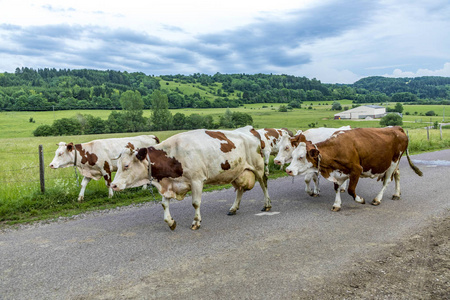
{"x": 362, "y": 112}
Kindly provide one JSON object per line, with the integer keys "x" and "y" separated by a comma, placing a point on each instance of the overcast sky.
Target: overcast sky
{"x": 335, "y": 41}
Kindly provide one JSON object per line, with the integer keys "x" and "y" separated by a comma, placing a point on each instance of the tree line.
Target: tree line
{"x": 131, "y": 119}
{"x": 65, "y": 89}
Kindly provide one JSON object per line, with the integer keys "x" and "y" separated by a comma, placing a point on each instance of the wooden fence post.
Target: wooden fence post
{"x": 41, "y": 168}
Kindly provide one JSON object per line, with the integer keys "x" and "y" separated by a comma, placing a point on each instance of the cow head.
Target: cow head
{"x": 64, "y": 156}
{"x": 303, "y": 157}
{"x": 132, "y": 169}
{"x": 286, "y": 146}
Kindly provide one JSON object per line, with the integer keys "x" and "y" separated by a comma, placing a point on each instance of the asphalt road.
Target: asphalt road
{"x": 132, "y": 254}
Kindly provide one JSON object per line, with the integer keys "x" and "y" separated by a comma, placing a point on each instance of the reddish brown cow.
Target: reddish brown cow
{"x": 362, "y": 152}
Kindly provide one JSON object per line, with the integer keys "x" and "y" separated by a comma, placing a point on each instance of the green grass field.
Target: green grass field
{"x": 22, "y": 201}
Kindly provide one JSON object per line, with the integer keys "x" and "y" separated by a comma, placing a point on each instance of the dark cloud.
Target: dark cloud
{"x": 261, "y": 46}
{"x": 172, "y": 28}
{"x": 270, "y": 42}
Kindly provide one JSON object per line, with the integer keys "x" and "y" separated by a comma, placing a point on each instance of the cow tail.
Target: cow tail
{"x": 416, "y": 169}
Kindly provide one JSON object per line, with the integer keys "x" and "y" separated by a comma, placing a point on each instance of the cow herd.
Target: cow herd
{"x": 187, "y": 161}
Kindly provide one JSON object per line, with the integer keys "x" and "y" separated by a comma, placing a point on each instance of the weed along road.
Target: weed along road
{"x": 300, "y": 245}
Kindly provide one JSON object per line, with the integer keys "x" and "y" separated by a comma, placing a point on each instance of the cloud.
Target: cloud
{"x": 445, "y": 71}
{"x": 333, "y": 41}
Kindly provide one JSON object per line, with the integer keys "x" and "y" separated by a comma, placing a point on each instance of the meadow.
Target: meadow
{"x": 22, "y": 201}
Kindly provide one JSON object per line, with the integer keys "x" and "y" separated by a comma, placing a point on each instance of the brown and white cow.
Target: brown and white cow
{"x": 287, "y": 144}
{"x": 97, "y": 158}
{"x": 188, "y": 160}
{"x": 270, "y": 137}
{"x": 362, "y": 152}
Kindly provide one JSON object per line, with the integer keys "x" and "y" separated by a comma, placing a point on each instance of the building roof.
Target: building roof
{"x": 361, "y": 109}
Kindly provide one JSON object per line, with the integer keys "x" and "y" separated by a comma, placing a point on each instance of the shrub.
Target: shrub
{"x": 430, "y": 113}
{"x": 282, "y": 108}
{"x": 336, "y": 106}
{"x": 43, "y": 130}
{"x": 391, "y": 120}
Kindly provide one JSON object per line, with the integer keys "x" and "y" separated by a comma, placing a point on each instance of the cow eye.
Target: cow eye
{"x": 287, "y": 148}
{"x": 126, "y": 167}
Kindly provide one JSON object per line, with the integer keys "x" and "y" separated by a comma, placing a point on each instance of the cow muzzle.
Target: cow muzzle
{"x": 277, "y": 162}
{"x": 291, "y": 172}
{"x": 115, "y": 187}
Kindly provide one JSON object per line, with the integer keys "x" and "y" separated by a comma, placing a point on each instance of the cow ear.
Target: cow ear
{"x": 141, "y": 154}
{"x": 130, "y": 146}
{"x": 69, "y": 146}
{"x": 314, "y": 153}
{"x": 295, "y": 140}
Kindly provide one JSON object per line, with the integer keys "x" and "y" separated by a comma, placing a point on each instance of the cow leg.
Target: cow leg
{"x": 263, "y": 183}
{"x": 344, "y": 186}
{"x": 337, "y": 200}
{"x": 84, "y": 183}
{"x": 308, "y": 178}
{"x": 196, "y": 188}
{"x": 266, "y": 162}
{"x": 167, "y": 217}
{"x": 237, "y": 202}
{"x": 386, "y": 180}
{"x": 397, "y": 193}
{"x": 353, "y": 181}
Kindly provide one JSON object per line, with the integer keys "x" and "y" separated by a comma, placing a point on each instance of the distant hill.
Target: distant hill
{"x": 423, "y": 87}
{"x": 63, "y": 89}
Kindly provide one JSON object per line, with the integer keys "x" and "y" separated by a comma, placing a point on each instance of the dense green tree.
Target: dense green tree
{"x": 179, "y": 121}
{"x": 161, "y": 116}
{"x": 194, "y": 121}
{"x": 226, "y": 120}
{"x": 240, "y": 119}
{"x": 336, "y": 106}
{"x": 131, "y": 101}
{"x": 391, "y": 119}
{"x": 93, "y": 125}
{"x": 66, "y": 126}
{"x": 43, "y": 130}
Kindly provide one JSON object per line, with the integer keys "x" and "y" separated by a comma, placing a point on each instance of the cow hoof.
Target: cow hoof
{"x": 395, "y": 197}
{"x": 231, "y": 213}
{"x": 375, "y": 202}
{"x": 195, "y": 226}
{"x": 315, "y": 195}
{"x": 335, "y": 208}
{"x": 80, "y": 199}
{"x": 266, "y": 209}
{"x": 173, "y": 226}
{"x": 342, "y": 190}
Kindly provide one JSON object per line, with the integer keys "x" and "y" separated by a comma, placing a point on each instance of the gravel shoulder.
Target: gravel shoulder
{"x": 416, "y": 268}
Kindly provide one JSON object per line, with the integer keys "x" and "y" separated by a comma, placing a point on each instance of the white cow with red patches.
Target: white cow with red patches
{"x": 270, "y": 137}
{"x": 97, "y": 158}
{"x": 287, "y": 144}
{"x": 188, "y": 160}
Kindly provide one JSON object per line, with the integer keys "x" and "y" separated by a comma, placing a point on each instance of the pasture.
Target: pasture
{"x": 20, "y": 196}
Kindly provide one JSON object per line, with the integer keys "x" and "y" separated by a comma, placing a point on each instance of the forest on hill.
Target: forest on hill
{"x": 50, "y": 89}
